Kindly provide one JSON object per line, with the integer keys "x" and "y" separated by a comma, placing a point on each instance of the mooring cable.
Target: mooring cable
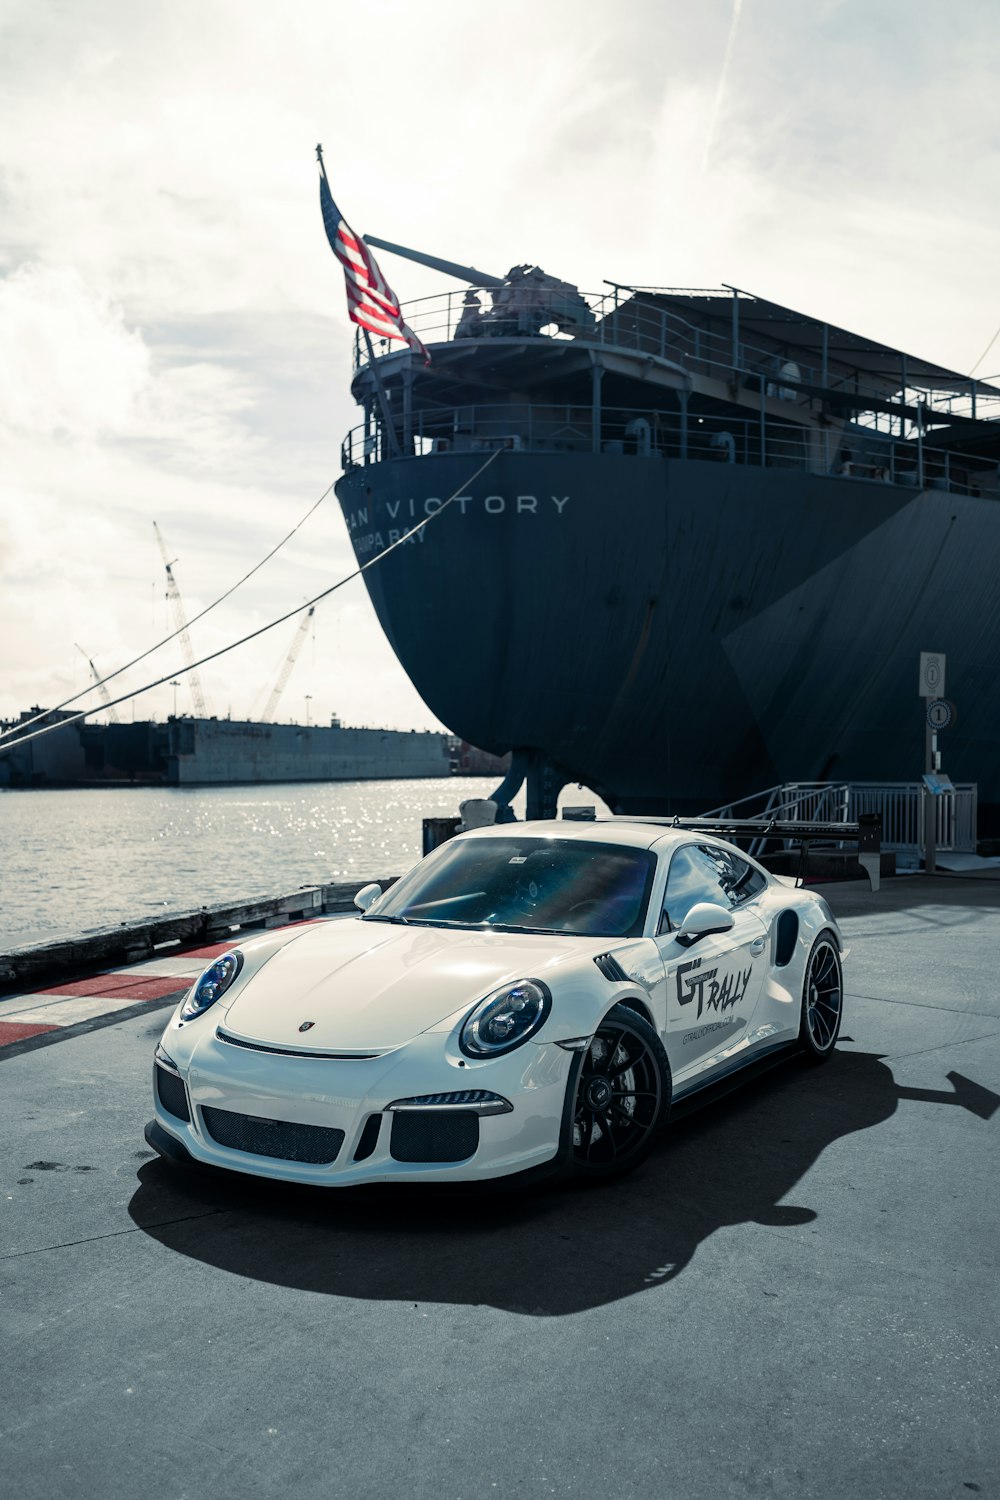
{"x": 25, "y": 739}
{"x": 92, "y": 688}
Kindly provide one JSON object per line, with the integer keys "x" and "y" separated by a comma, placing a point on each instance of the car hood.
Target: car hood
{"x": 371, "y": 986}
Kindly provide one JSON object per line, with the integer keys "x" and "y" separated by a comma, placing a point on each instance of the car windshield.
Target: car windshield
{"x": 526, "y": 885}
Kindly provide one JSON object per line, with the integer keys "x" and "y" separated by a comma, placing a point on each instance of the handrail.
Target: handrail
{"x": 902, "y": 805}
{"x": 625, "y": 318}
{"x": 553, "y": 428}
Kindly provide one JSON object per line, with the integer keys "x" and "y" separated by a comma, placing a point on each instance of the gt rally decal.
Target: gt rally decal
{"x": 711, "y": 993}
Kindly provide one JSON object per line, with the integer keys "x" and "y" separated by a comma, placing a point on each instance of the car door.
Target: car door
{"x": 712, "y": 987}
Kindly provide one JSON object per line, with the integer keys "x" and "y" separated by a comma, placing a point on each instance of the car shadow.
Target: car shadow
{"x": 546, "y": 1251}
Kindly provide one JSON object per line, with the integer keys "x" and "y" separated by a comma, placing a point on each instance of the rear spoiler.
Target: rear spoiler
{"x": 866, "y": 833}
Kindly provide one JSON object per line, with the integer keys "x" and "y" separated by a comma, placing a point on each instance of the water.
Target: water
{"x": 72, "y": 861}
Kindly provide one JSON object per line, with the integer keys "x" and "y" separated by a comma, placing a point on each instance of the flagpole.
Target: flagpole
{"x": 383, "y": 394}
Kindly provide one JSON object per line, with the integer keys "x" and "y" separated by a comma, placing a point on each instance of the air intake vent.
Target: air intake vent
{"x": 787, "y": 929}
{"x": 172, "y": 1096}
{"x": 316, "y": 1144}
{"x": 369, "y": 1138}
{"x": 610, "y": 968}
{"x": 434, "y": 1135}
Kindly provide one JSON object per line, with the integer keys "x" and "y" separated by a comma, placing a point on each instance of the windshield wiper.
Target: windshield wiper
{"x": 508, "y": 927}
{"x": 437, "y": 922}
{"x": 466, "y": 926}
{"x": 414, "y": 921}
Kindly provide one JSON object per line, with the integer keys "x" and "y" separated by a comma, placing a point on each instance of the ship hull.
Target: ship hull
{"x": 677, "y": 633}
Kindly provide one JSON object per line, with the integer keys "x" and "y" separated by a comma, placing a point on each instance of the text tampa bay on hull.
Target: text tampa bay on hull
{"x": 715, "y": 538}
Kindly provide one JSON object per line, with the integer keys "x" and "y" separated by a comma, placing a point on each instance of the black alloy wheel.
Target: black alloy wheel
{"x": 621, "y": 1097}
{"x": 822, "y": 1000}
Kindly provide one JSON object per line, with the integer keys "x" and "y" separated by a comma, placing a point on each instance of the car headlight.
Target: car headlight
{"x": 505, "y": 1019}
{"x": 214, "y": 982}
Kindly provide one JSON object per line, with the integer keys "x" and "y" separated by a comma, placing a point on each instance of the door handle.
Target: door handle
{"x": 757, "y": 946}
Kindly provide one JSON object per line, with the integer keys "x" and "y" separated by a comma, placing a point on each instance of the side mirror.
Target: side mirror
{"x": 704, "y": 918}
{"x": 367, "y": 894}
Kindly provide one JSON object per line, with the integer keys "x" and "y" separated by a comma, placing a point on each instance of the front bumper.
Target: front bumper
{"x": 339, "y": 1107}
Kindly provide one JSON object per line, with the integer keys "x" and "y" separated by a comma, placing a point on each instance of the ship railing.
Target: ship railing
{"x": 980, "y": 402}
{"x": 553, "y": 428}
{"x": 633, "y": 321}
{"x": 755, "y": 440}
{"x": 903, "y": 807}
{"x": 617, "y": 319}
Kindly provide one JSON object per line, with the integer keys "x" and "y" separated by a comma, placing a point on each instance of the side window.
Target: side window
{"x": 691, "y": 878}
{"x": 751, "y": 884}
{"x": 737, "y": 877}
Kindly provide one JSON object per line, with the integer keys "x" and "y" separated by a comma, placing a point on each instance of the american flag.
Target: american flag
{"x": 371, "y": 302}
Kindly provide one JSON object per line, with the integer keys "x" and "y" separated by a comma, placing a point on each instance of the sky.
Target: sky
{"x": 174, "y": 343}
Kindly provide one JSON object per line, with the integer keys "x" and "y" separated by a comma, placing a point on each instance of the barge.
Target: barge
{"x": 222, "y": 752}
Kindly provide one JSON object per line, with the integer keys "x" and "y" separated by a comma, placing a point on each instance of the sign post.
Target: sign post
{"x": 932, "y": 665}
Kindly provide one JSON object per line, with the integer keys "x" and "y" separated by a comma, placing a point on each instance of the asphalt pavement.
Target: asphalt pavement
{"x": 795, "y": 1296}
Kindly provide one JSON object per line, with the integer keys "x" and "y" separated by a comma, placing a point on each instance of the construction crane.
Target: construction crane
{"x": 180, "y": 620}
{"x": 105, "y": 696}
{"x": 290, "y": 659}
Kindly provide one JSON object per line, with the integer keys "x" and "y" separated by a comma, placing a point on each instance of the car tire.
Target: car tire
{"x": 621, "y": 1098}
{"x": 822, "y": 1000}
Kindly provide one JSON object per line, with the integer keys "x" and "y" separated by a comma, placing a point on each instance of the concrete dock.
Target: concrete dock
{"x": 795, "y": 1296}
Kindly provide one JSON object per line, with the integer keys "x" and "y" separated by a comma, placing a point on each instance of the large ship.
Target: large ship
{"x": 713, "y": 538}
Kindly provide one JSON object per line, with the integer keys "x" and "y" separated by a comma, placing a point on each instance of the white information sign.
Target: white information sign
{"x": 932, "y": 674}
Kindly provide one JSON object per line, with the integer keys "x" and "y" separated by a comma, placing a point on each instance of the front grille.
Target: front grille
{"x": 316, "y": 1144}
{"x": 172, "y": 1094}
{"x": 434, "y": 1135}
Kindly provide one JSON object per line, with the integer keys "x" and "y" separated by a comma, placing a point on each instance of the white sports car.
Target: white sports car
{"x": 530, "y": 998}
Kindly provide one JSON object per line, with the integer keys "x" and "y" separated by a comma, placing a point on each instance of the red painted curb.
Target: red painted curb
{"x": 16, "y": 1031}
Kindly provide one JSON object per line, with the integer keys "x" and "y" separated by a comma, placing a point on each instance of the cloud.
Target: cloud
{"x": 68, "y": 365}
{"x": 721, "y": 86}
